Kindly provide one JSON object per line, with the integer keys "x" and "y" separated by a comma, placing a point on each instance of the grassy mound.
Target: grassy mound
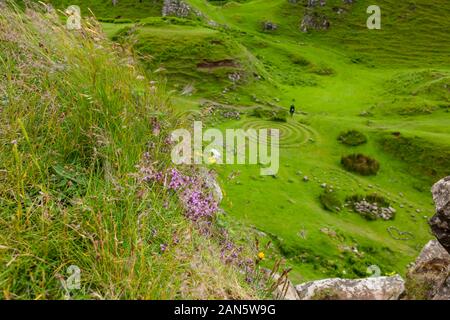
{"x": 190, "y": 53}
{"x": 361, "y": 164}
{"x": 77, "y": 116}
{"x": 432, "y": 160}
{"x": 352, "y": 138}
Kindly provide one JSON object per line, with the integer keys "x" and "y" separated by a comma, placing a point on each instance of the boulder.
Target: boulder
{"x": 269, "y": 26}
{"x": 314, "y": 21}
{"x": 176, "y": 8}
{"x": 440, "y": 222}
{"x": 374, "y": 288}
{"x": 428, "y": 277}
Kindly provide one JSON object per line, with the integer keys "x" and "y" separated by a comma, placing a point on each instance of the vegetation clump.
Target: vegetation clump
{"x": 352, "y": 138}
{"x": 361, "y": 164}
{"x": 330, "y": 201}
{"x": 276, "y": 114}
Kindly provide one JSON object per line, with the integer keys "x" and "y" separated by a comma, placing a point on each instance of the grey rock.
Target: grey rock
{"x": 269, "y": 26}
{"x": 440, "y": 222}
{"x": 374, "y": 288}
{"x": 314, "y": 21}
{"x": 428, "y": 278}
{"x": 176, "y": 8}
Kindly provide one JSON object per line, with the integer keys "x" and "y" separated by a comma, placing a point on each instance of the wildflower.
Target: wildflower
{"x": 177, "y": 180}
{"x": 212, "y": 160}
{"x": 163, "y": 247}
{"x": 261, "y": 255}
{"x": 156, "y": 127}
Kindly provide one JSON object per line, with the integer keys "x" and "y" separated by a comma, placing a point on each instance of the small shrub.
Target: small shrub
{"x": 352, "y": 138}
{"x": 361, "y": 164}
{"x": 277, "y": 114}
{"x": 299, "y": 60}
{"x": 330, "y": 201}
{"x": 322, "y": 70}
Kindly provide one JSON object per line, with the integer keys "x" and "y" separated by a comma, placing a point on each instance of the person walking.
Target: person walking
{"x": 292, "y": 109}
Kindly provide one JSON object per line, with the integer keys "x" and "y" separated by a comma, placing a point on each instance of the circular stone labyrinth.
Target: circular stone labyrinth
{"x": 292, "y": 133}
{"x": 336, "y": 177}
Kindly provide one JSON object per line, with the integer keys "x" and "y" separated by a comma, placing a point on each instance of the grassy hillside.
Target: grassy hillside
{"x": 83, "y": 128}
{"x": 412, "y": 31}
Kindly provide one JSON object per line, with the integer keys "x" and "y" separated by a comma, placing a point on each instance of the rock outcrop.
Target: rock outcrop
{"x": 180, "y": 9}
{"x": 440, "y": 222}
{"x": 314, "y": 21}
{"x": 269, "y": 26}
{"x": 429, "y": 277}
{"x": 375, "y": 288}
{"x": 176, "y": 8}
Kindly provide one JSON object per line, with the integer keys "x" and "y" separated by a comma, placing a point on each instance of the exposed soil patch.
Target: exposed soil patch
{"x": 207, "y": 64}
